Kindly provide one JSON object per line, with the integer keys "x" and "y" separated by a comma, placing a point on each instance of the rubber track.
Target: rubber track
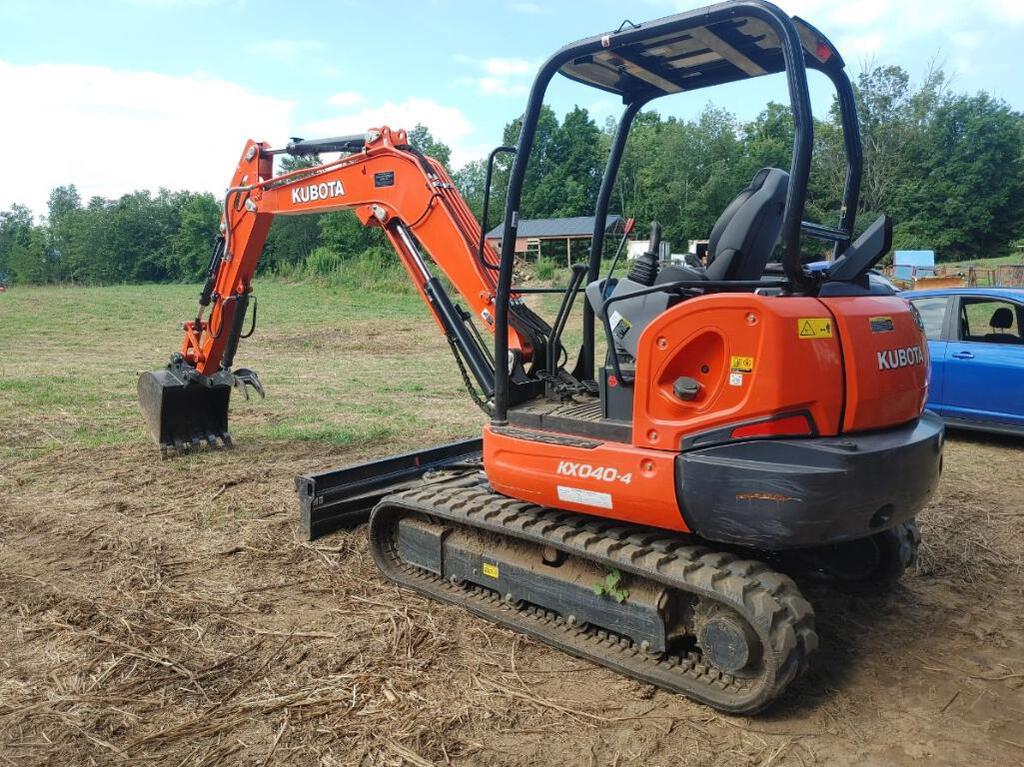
{"x": 769, "y": 601}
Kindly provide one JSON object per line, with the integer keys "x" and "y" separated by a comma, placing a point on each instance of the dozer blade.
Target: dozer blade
{"x": 182, "y": 415}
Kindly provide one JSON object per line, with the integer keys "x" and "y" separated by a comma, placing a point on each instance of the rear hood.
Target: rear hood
{"x": 885, "y": 359}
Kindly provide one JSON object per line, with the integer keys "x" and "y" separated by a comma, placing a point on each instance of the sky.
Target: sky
{"x": 119, "y": 95}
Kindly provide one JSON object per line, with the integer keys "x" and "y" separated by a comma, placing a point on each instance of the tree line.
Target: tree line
{"x": 947, "y": 166}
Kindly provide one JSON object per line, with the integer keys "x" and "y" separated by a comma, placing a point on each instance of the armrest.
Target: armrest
{"x": 864, "y": 253}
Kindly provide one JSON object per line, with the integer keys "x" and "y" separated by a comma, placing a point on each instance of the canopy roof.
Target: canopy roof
{"x": 704, "y": 54}
{"x": 580, "y": 226}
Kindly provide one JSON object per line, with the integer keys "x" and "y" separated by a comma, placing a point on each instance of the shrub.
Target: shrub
{"x": 545, "y": 268}
{"x": 323, "y": 262}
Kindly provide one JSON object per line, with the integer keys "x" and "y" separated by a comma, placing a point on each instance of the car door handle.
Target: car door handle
{"x": 962, "y": 356}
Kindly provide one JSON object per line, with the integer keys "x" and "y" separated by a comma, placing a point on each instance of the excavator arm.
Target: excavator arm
{"x": 389, "y": 184}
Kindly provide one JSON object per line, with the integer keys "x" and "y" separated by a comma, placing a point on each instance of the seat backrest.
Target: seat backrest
{"x": 745, "y": 234}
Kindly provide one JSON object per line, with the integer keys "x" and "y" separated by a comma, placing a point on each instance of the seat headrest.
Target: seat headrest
{"x": 1002, "y": 318}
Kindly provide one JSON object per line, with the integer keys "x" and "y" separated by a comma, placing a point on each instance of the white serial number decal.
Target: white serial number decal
{"x": 586, "y": 471}
{"x": 584, "y": 497}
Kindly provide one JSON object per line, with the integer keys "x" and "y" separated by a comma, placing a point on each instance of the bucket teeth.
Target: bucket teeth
{"x": 195, "y": 443}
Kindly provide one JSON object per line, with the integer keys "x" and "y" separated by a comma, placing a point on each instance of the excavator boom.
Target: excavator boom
{"x": 388, "y": 184}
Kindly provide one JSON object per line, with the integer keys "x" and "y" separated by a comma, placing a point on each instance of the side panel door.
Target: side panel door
{"x": 984, "y": 379}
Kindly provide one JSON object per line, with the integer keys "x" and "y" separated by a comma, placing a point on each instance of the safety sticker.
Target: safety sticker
{"x": 491, "y": 571}
{"x": 736, "y": 379}
{"x": 742, "y": 365}
{"x": 585, "y": 497}
{"x": 814, "y": 327}
{"x": 620, "y": 325}
{"x": 881, "y": 324}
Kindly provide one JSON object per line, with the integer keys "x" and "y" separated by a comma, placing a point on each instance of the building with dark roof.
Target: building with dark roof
{"x": 532, "y": 232}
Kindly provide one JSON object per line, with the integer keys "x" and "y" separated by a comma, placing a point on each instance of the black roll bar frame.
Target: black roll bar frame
{"x": 795, "y": 65}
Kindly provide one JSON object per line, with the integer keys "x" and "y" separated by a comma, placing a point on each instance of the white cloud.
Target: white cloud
{"x": 495, "y": 86}
{"x": 859, "y": 13}
{"x": 284, "y": 50}
{"x": 345, "y": 99}
{"x": 860, "y": 47}
{"x": 446, "y": 123}
{"x": 867, "y": 27}
{"x": 1006, "y": 11}
{"x": 863, "y": 28}
{"x": 507, "y": 67}
{"x": 498, "y": 76}
{"x": 967, "y": 40}
{"x": 110, "y": 132}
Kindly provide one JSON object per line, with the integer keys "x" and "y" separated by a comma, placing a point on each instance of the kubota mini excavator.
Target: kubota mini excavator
{"x": 744, "y": 414}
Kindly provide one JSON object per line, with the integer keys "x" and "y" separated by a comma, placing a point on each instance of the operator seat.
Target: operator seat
{"x": 740, "y": 246}
{"x": 744, "y": 236}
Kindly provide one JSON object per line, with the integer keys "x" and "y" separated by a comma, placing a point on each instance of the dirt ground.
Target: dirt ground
{"x": 168, "y": 613}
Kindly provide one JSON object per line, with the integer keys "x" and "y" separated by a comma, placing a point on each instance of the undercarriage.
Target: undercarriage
{"x": 721, "y": 629}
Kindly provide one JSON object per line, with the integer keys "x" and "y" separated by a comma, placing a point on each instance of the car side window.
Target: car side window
{"x": 933, "y": 315}
{"x": 988, "y": 320}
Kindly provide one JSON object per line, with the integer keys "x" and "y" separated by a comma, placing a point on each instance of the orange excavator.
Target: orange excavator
{"x": 747, "y": 419}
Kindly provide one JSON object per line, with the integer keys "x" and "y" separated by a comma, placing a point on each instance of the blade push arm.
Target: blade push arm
{"x": 388, "y": 184}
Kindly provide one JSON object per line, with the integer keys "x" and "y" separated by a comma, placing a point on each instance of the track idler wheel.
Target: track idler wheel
{"x": 728, "y": 641}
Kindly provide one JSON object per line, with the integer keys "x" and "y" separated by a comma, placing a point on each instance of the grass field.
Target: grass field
{"x": 358, "y": 367}
{"x": 987, "y": 263}
{"x": 167, "y": 612}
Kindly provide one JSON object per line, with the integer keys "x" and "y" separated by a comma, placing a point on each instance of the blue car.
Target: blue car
{"x": 976, "y": 343}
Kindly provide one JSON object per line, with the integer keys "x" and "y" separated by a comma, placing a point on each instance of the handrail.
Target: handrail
{"x": 487, "y": 204}
{"x": 822, "y": 232}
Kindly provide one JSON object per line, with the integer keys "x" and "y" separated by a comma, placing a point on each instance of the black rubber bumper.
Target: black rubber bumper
{"x": 793, "y": 493}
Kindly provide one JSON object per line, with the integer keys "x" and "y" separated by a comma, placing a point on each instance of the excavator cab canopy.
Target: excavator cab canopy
{"x": 716, "y": 45}
{"x": 701, "y": 56}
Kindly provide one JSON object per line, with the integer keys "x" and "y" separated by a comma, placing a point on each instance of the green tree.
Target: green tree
{"x": 16, "y": 231}
{"x": 63, "y": 207}
{"x": 542, "y": 162}
{"x": 342, "y": 232}
{"x": 192, "y": 243}
{"x": 570, "y": 185}
{"x": 963, "y": 196}
{"x": 421, "y": 138}
{"x": 469, "y": 179}
{"x": 291, "y": 238}
{"x": 32, "y": 261}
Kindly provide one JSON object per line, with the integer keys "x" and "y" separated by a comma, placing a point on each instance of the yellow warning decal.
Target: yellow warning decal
{"x": 742, "y": 365}
{"x": 491, "y": 571}
{"x": 814, "y": 327}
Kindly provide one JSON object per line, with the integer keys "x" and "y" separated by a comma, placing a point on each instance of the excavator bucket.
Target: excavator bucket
{"x": 184, "y": 415}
